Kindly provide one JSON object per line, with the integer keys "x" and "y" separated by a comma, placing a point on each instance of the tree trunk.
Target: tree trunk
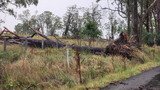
{"x": 52, "y": 32}
{"x": 155, "y": 20}
{"x": 129, "y": 17}
{"x": 135, "y": 21}
{"x": 42, "y": 29}
{"x": 158, "y": 15}
{"x": 112, "y": 32}
{"x": 67, "y": 25}
{"x": 151, "y": 24}
{"x": 141, "y": 22}
{"x": 147, "y": 17}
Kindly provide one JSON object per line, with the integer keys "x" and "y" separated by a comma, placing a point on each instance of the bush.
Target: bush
{"x": 149, "y": 39}
{"x": 158, "y": 39}
{"x": 9, "y": 56}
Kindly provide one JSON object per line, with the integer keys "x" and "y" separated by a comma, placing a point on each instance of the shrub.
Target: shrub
{"x": 158, "y": 39}
{"x": 9, "y": 56}
{"x": 149, "y": 39}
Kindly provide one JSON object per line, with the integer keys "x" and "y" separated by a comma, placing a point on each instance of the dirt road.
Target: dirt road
{"x": 148, "y": 80}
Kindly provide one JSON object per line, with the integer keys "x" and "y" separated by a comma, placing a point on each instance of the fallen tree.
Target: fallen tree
{"x": 16, "y": 39}
{"x": 122, "y": 46}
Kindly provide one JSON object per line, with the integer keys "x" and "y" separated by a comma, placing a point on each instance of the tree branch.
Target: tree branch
{"x": 149, "y": 9}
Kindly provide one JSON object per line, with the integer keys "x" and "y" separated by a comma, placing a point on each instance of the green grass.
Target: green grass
{"x": 112, "y": 77}
{"x": 47, "y": 68}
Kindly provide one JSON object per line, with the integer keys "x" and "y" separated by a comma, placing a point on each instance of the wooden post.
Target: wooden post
{"x": 67, "y": 52}
{"x": 57, "y": 44}
{"x": 25, "y": 44}
{"x": 5, "y": 44}
{"x": 112, "y": 61}
{"x": 124, "y": 63}
{"x": 78, "y": 66}
{"x": 42, "y": 44}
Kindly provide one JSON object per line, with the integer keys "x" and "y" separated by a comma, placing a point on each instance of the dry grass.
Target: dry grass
{"x": 81, "y": 42}
{"x": 47, "y": 69}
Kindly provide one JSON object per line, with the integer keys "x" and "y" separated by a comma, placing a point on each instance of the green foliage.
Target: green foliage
{"x": 9, "y": 56}
{"x": 158, "y": 39}
{"x": 19, "y": 28}
{"x": 5, "y": 5}
{"x": 121, "y": 27}
{"x": 72, "y": 22}
{"x": 24, "y": 3}
{"x": 55, "y": 25}
{"x": 46, "y": 68}
{"x": 91, "y": 30}
{"x": 46, "y": 20}
{"x": 149, "y": 39}
{"x": 23, "y": 28}
{"x": 27, "y": 22}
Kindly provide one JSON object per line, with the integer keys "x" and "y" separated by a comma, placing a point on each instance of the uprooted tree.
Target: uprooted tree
{"x": 16, "y": 39}
{"x": 122, "y": 46}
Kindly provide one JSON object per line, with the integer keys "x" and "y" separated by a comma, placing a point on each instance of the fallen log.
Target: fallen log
{"x": 93, "y": 50}
{"x": 52, "y": 44}
{"x": 16, "y": 39}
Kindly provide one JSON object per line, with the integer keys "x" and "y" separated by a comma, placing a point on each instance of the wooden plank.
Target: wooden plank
{"x": 5, "y": 45}
{"x": 7, "y": 30}
{"x": 2, "y": 32}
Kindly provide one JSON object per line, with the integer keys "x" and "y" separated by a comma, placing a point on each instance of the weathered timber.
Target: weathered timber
{"x": 5, "y": 45}
{"x": 16, "y": 39}
{"x": 93, "y": 50}
{"x": 52, "y": 44}
{"x": 7, "y": 30}
{"x": 122, "y": 46}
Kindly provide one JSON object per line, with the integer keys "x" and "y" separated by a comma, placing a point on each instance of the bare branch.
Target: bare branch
{"x": 116, "y": 10}
{"x": 149, "y": 9}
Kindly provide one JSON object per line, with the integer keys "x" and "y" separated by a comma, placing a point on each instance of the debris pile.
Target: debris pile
{"x": 122, "y": 46}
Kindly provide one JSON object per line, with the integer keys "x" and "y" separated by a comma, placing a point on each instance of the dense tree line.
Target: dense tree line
{"x": 47, "y": 20}
{"x": 143, "y": 19}
{"x": 73, "y": 24}
{"x": 142, "y": 16}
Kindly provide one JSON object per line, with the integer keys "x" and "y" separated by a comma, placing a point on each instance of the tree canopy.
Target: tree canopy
{"x": 142, "y": 17}
{"x": 46, "y": 20}
{"x": 4, "y": 4}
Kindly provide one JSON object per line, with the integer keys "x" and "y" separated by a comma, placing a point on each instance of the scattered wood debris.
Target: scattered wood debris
{"x": 122, "y": 46}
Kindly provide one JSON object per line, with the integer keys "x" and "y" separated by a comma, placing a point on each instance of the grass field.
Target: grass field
{"x": 47, "y": 69}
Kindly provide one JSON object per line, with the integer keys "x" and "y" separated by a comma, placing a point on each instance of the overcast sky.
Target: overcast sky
{"x": 58, "y": 7}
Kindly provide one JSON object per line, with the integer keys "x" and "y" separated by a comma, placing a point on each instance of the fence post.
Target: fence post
{"x": 78, "y": 66}
{"x": 25, "y": 44}
{"x": 42, "y": 44}
{"x": 67, "y": 52}
{"x": 5, "y": 44}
